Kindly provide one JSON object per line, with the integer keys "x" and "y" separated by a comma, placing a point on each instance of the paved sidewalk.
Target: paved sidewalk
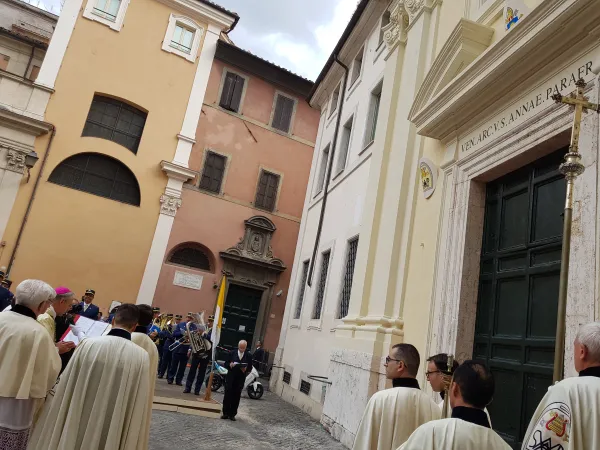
{"x": 265, "y": 424}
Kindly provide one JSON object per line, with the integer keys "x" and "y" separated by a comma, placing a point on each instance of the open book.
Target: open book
{"x": 91, "y": 328}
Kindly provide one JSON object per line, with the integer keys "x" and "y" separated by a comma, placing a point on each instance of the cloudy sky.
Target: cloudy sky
{"x": 296, "y": 34}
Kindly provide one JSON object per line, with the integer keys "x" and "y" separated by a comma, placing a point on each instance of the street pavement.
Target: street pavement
{"x": 265, "y": 424}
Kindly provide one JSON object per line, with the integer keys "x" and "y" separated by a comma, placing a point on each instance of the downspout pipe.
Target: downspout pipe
{"x": 31, "y": 199}
{"x": 329, "y": 168}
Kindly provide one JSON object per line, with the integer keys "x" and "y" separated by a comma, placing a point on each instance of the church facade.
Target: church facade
{"x": 461, "y": 232}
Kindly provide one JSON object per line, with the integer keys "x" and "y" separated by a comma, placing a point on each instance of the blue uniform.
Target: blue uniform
{"x": 180, "y": 355}
{"x": 91, "y": 312}
{"x": 167, "y": 355}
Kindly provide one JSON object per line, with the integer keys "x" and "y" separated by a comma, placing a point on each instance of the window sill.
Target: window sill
{"x": 331, "y": 118}
{"x": 295, "y": 326}
{"x": 116, "y": 24}
{"x": 354, "y": 86}
{"x": 366, "y": 147}
{"x": 314, "y": 328}
{"x": 339, "y": 173}
{"x": 187, "y": 56}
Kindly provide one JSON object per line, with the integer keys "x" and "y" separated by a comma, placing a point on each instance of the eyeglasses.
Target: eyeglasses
{"x": 388, "y": 359}
{"x": 427, "y": 374}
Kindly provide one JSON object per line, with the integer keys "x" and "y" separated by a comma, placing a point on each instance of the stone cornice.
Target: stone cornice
{"x": 178, "y": 172}
{"x": 201, "y": 12}
{"x": 24, "y": 123}
{"x": 468, "y": 40}
{"x": 555, "y": 27}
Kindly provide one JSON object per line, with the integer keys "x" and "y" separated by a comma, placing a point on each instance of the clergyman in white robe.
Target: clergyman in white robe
{"x": 568, "y": 417}
{"x": 468, "y": 429}
{"x": 101, "y": 400}
{"x": 141, "y": 338}
{"x": 29, "y": 363}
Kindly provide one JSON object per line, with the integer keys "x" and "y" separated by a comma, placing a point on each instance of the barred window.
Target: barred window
{"x": 98, "y": 175}
{"x": 302, "y": 290}
{"x": 115, "y": 121}
{"x": 305, "y": 387}
{"x": 287, "y": 377}
{"x": 322, "y": 283}
{"x": 191, "y": 255}
{"x": 348, "y": 277}
{"x": 212, "y": 174}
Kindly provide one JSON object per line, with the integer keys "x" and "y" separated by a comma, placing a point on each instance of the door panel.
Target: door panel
{"x": 239, "y": 316}
{"x": 518, "y": 290}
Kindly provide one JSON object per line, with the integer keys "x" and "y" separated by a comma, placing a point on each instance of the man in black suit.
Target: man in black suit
{"x": 258, "y": 357}
{"x": 238, "y": 362}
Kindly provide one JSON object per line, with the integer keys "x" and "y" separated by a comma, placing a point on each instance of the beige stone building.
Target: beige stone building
{"x": 461, "y": 230}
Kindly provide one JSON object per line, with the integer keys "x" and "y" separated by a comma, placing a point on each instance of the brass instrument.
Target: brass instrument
{"x": 447, "y": 375}
{"x": 194, "y": 338}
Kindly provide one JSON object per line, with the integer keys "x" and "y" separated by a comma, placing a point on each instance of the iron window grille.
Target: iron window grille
{"x": 115, "y": 121}
{"x": 99, "y": 175}
{"x": 305, "y": 387}
{"x": 192, "y": 257}
{"x": 322, "y": 284}
{"x": 287, "y": 377}
{"x": 305, "y": 267}
{"x": 348, "y": 277}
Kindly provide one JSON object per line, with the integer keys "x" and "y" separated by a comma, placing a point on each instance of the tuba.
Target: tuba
{"x": 197, "y": 342}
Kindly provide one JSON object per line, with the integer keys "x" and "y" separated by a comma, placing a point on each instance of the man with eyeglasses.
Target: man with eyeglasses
{"x": 472, "y": 388}
{"x": 393, "y": 414}
{"x": 437, "y": 364}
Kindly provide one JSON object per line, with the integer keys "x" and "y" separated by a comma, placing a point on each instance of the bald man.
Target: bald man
{"x": 238, "y": 363}
{"x": 568, "y": 417}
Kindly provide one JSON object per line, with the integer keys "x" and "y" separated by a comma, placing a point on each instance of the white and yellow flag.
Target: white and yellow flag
{"x": 216, "y": 331}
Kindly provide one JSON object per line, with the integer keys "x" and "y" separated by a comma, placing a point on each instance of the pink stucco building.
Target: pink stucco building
{"x": 253, "y": 151}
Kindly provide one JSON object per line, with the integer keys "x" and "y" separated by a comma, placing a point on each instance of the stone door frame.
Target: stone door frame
{"x": 456, "y": 282}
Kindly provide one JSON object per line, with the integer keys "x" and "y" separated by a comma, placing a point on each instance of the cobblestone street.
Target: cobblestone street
{"x": 265, "y": 424}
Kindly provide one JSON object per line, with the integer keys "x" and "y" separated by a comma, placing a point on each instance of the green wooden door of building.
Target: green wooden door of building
{"x": 239, "y": 316}
{"x": 518, "y": 290}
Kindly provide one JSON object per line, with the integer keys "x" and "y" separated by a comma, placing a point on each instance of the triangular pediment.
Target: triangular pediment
{"x": 468, "y": 40}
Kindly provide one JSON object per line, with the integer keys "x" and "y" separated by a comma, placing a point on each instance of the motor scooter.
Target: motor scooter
{"x": 254, "y": 387}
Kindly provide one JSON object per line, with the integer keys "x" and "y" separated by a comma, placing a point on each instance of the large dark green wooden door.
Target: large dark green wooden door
{"x": 239, "y": 316}
{"x": 518, "y": 290}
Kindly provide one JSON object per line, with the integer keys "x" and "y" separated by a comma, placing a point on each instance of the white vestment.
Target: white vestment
{"x": 441, "y": 405}
{"x": 568, "y": 417}
{"x": 391, "y": 416}
{"x": 29, "y": 365}
{"x": 454, "y": 434}
{"x": 146, "y": 343}
{"x": 101, "y": 400}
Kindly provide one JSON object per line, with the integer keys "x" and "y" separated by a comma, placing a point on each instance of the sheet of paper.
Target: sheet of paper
{"x": 91, "y": 328}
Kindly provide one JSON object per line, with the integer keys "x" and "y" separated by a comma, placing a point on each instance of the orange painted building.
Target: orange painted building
{"x": 241, "y": 215}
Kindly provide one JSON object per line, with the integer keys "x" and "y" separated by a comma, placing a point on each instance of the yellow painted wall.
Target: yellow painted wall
{"x": 79, "y": 239}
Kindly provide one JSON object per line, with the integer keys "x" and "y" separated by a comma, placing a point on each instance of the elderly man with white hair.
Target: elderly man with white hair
{"x": 568, "y": 417}
{"x": 29, "y": 363}
{"x": 238, "y": 362}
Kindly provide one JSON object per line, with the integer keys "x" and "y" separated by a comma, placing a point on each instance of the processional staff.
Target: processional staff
{"x": 447, "y": 376}
{"x": 571, "y": 169}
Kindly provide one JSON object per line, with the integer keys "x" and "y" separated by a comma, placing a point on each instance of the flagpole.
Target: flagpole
{"x": 216, "y": 328}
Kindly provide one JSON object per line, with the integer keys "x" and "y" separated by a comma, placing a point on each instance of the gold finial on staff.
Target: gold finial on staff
{"x": 447, "y": 375}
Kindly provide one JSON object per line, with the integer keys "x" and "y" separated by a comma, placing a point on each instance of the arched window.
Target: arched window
{"x": 99, "y": 175}
{"x": 116, "y": 121}
{"x": 191, "y": 255}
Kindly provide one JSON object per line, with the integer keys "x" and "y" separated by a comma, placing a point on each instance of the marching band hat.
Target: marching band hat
{"x": 169, "y": 314}
{"x": 190, "y": 314}
{"x": 2, "y": 273}
{"x": 211, "y": 317}
{"x": 156, "y": 309}
{"x": 90, "y": 292}
{"x": 7, "y": 282}
{"x": 178, "y": 316}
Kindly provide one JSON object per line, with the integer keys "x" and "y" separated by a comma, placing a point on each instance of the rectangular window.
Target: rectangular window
{"x": 344, "y": 145}
{"x": 231, "y": 95}
{"x": 287, "y": 377}
{"x": 348, "y": 276}
{"x": 335, "y": 98}
{"x": 107, "y": 9}
{"x": 305, "y": 387}
{"x": 266, "y": 194}
{"x": 182, "y": 39}
{"x": 300, "y": 300}
{"x": 385, "y": 21}
{"x": 35, "y": 70}
{"x": 323, "y": 169}
{"x": 4, "y": 59}
{"x": 212, "y": 174}
{"x": 282, "y": 116}
{"x": 322, "y": 284}
{"x": 373, "y": 115}
{"x": 357, "y": 66}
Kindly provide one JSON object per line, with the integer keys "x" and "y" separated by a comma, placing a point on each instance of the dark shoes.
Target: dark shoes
{"x": 224, "y": 417}
{"x": 169, "y": 381}
{"x": 196, "y": 393}
{"x": 179, "y": 384}
{"x": 187, "y": 391}
{"x": 232, "y": 418}
{"x": 160, "y": 377}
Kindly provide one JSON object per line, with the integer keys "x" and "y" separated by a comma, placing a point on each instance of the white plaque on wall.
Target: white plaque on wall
{"x": 187, "y": 280}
